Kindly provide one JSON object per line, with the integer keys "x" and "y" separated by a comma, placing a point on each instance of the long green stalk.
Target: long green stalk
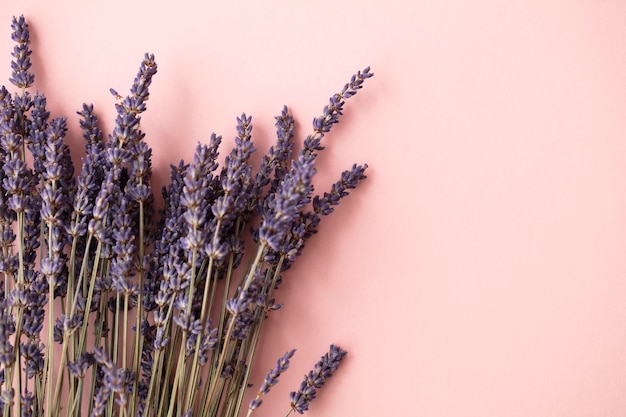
{"x": 158, "y": 361}
{"x": 192, "y": 388}
{"x": 256, "y": 334}
{"x": 92, "y": 283}
{"x": 138, "y": 345}
{"x": 100, "y": 323}
{"x": 176, "y": 396}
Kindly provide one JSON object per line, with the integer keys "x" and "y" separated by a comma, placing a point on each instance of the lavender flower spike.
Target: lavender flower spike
{"x": 284, "y": 206}
{"x": 349, "y": 180}
{"x": 21, "y": 76}
{"x": 271, "y": 379}
{"x": 315, "y": 379}
{"x": 334, "y": 109}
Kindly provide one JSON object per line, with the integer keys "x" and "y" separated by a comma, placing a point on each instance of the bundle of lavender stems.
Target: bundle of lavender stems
{"x": 110, "y": 306}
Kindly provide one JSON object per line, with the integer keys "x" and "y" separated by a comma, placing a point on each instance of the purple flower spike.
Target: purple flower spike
{"x": 126, "y": 128}
{"x": 78, "y": 368}
{"x": 124, "y": 250}
{"x": 349, "y": 179}
{"x": 236, "y": 175}
{"x": 271, "y": 378}
{"x": 315, "y": 379}
{"x": 276, "y": 159}
{"x": 36, "y": 140}
{"x": 284, "y": 145}
{"x": 334, "y": 109}
{"x": 7, "y": 329}
{"x": 285, "y": 205}
{"x": 21, "y": 76}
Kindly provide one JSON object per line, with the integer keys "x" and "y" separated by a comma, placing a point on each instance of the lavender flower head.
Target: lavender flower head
{"x": 334, "y": 109}
{"x": 284, "y": 206}
{"x": 36, "y": 139}
{"x": 275, "y": 161}
{"x": 235, "y": 177}
{"x": 7, "y": 329}
{"x": 315, "y": 379}
{"x": 284, "y": 145}
{"x": 349, "y": 180}
{"x": 126, "y": 130}
{"x": 21, "y": 76}
{"x": 271, "y": 378}
{"x": 307, "y": 223}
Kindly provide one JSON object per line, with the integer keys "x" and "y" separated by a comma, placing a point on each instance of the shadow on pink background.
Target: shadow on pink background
{"x": 481, "y": 269}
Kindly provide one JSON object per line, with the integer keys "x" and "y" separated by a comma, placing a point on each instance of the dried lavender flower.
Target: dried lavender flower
{"x": 284, "y": 206}
{"x": 78, "y": 368}
{"x": 168, "y": 267}
{"x": 121, "y": 269}
{"x": 235, "y": 178}
{"x": 126, "y": 129}
{"x": 32, "y": 352}
{"x": 27, "y": 401}
{"x": 316, "y": 378}
{"x": 54, "y": 208}
{"x": 284, "y": 146}
{"x": 349, "y": 180}
{"x": 271, "y": 379}
{"x": 7, "y": 329}
{"x": 21, "y": 76}
{"x": 322, "y": 206}
{"x": 36, "y": 139}
{"x": 96, "y": 226}
{"x": 334, "y": 109}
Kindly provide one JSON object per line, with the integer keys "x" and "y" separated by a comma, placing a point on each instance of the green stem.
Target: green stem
{"x": 216, "y": 368}
{"x": 221, "y": 360}
{"x": 255, "y": 263}
{"x": 125, "y": 344}
{"x": 9, "y": 372}
{"x": 49, "y": 350}
{"x": 114, "y": 344}
{"x": 238, "y": 387}
{"x": 229, "y": 275}
{"x": 124, "y": 331}
{"x": 70, "y": 290}
{"x": 59, "y": 382}
{"x": 39, "y": 395}
{"x": 174, "y": 342}
{"x": 192, "y": 388}
{"x": 73, "y": 408}
{"x": 260, "y": 320}
{"x": 156, "y": 376}
{"x": 97, "y": 343}
{"x": 83, "y": 331}
{"x": 139, "y": 316}
{"x": 71, "y": 271}
{"x": 116, "y": 328}
{"x": 20, "y": 247}
{"x": 177, "y": 379}
{"x": 210, "y": 408}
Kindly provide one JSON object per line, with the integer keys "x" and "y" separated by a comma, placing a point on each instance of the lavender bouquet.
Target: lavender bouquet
{"x": 110, "y": 306}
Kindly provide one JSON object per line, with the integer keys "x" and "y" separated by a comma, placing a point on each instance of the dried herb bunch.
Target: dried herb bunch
{"x": 109, "y": 306}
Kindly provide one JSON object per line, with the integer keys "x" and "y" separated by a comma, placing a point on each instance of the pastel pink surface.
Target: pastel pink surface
{"x": 481, "y": 269}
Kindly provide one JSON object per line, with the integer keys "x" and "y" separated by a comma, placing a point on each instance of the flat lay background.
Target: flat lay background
{"x": 481, "y": 268}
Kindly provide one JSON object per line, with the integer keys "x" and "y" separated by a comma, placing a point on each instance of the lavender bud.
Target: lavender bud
{"x": 78, "y": 368}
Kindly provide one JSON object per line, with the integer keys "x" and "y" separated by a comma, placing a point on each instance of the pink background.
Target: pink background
{"x": 481, "y": 269}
